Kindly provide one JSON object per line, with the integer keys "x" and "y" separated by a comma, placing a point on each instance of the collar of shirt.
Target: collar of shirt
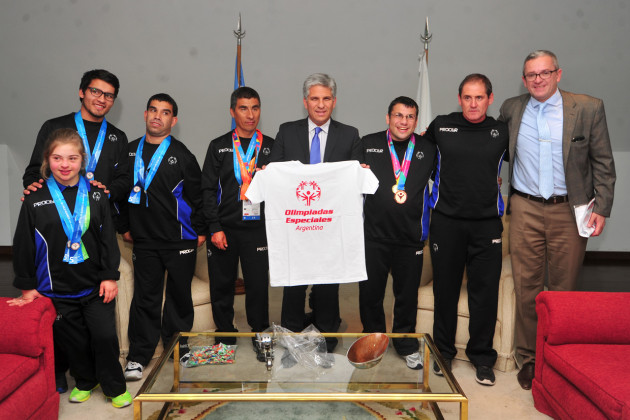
{"x": 63, "y": 187}
{"x": 554, "y": 101}
{"x": 312, "y": 125}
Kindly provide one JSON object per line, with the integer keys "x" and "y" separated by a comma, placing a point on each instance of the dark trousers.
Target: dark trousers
{"x": 325, "y": 304}
{"x": 250, "y": 245}
{"x": 405, "y": 264}
{"x": 85, "y": 330}
{"x": 475, "y": 245}
{"x": 147, "y": 319}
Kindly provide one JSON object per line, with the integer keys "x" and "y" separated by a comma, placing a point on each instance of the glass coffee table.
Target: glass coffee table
{"x": 247, "y": 379}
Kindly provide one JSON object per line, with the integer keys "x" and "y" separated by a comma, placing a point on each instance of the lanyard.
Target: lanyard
{"x": 98, "y": 146}
{"x": 142, "y": 180}
{"x": 74, "y": 224}
{"x": 242, "y": 172}
{"x": 401, "y": 173}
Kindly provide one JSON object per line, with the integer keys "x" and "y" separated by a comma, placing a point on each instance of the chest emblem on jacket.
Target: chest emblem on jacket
{"x": 266, "y": 151}
{"x": 419, "y": 155}
{"x": 172, "y": 160}
{"x": 494, "y": 133}
{"x": 113, "y": 138}
{"x": 96, "y": 196}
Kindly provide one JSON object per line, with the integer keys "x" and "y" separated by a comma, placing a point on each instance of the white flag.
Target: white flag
{"x": 424, "y": 96}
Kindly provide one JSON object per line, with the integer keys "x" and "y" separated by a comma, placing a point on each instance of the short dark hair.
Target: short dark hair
{"x": 403, "y": 100}
{"x": 163, "y": 97}
{"x": 99, "y": 74}
{"x": 243, "y": 92}
{"x": 476, "y": 77}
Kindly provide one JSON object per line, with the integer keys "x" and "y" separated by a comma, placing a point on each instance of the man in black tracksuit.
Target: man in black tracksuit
{"x": 237, "y": 229}
{"x": 396, "y": 224}
{"x": 466, "y": 222}
{"x": 97, "y": 92}
{"x": 165, "y": 224}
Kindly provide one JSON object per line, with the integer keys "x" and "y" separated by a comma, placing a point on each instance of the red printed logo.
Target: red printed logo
{"x": 308, "y": 191}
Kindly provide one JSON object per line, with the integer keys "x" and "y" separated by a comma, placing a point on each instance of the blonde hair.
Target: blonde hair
{"x": 57, "y": 137}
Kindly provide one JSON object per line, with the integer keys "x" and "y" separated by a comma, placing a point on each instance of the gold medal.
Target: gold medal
{"x": 136, "y": 189}
{"x": 89, "y": 176}
{"x": 400, "y": 197}
{"x": 395, "y": 188}
{"x": 75, "y": 246}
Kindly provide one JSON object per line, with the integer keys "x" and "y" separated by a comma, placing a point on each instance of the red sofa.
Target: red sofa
{"x": 583, "y": 355}
{"x": 27, "y": 368}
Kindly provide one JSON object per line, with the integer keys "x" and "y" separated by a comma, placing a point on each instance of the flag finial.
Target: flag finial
{"x": 426, "y": 38}
{"x": 238, "y": 33}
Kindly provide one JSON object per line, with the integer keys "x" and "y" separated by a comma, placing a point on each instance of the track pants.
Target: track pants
{"x": 147, "y": 320}
{"x": 405, "y": 264}
{"x": 475, "y": 245}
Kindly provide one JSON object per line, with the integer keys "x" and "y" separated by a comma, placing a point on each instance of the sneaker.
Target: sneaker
{"x": 485, "y": 375}
{"x": 414, "y": 361}
{"x": 61, "y": 383}
{"x": 447, "y": 364}
{"x": 133, "y": 371}
{"x": 123, "y": 400}
{"x": 78, "y": 396}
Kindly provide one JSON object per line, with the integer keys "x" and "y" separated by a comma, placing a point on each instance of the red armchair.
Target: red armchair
{"x": 583, "y": 355}
{"x": 27, "y": 369}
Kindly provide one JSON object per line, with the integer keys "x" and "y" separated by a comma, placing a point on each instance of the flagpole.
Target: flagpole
{"x": 239, "y": 34}
{"x": 426, "y": 38}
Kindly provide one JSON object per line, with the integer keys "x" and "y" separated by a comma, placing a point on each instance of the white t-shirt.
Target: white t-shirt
{"x": 314, "y": 220}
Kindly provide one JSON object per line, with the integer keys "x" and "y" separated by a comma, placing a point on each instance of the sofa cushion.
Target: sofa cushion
{"x": 14, "y": 371}
{"x": 26, "y": 400}
{"x": 599, "y": 371}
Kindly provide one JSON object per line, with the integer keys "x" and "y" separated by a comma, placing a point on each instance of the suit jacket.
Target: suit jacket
{"x": 291, "y": 143}
{"x": 589, "y": 168}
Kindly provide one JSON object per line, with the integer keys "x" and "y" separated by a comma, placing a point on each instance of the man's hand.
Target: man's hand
{"x": 365, "y": 166}
{"x": 219, "y": 240}
{"x": 201, "y": 239}
{"x": 108, "y": 290}
{"x": 27, "y": 297}
{"x": 98, "y": 184}
{"x": 127, "y": 237}
{"x": 499, "y": 181}
{"x": 598, "y": 221}
{"x": 33, "y": 187}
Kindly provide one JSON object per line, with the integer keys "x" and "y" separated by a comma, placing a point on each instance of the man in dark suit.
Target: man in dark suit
{"x": 313, "y": 140}
{"x": 561, "y": 158}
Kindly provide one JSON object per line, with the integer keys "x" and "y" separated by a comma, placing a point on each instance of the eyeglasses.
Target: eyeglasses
{"x": 544, "y": 75}
{"x": 97, "y": 93}
{"x": 400, "y": 116}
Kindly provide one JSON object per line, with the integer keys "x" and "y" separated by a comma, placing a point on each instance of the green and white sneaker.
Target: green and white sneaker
{"x": 123, "y": 400}
{"x": 78, "y": 396}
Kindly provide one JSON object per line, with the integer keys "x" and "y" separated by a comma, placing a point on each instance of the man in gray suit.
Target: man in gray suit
{"x": 561, "y": 158}
{"x": 313, "y": 140}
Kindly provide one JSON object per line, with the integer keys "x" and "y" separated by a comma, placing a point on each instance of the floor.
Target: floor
{"x": 504, "y": 400}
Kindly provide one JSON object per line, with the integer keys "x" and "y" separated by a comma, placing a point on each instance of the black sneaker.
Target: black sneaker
{"x": 61, "y": 383}
{"x": 447, "y": 364}
{"x": 485, "y": 375}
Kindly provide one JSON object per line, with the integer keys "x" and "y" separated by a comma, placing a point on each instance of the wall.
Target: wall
{"x": 187, "y": 48}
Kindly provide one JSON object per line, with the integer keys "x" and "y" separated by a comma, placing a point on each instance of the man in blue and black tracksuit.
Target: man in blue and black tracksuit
{"x": 466, "y": 223}
{"x": 164, "y": 221}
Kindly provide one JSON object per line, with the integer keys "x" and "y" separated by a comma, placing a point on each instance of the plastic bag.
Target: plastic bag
{"x": 307, "y": 348}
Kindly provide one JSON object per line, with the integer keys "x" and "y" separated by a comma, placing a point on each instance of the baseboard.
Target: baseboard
{"x": 606, "y": 257}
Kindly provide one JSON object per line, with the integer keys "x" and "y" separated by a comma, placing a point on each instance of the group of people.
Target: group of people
{"x": 559, "y": 154}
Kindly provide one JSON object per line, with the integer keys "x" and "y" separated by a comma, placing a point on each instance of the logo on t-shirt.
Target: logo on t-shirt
{"x": 172, "y": 160}
{"x": 96, "y": 196}
{"x": 266, "y": 151}
{"x": 113, "y": 138}
{"x": 308, "y": 192}
{"x": 494, "y": 133}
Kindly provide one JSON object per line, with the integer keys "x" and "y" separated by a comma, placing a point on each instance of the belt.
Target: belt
{"x": 556, "y": 199}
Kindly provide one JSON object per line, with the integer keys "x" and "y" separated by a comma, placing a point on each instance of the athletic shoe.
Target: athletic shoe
{"x": 123, "y": 400}
{"x": 78, "y": 396}
{"x": 485, "y": 375}
{"x": 414, "y": 361}
{"x": 61, "y": 383}
{"x": 447, "y": 364}
{"x": 133, "y": 371}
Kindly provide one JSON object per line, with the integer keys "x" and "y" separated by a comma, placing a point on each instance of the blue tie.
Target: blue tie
{"x": 315, "y": 153}
{"x": 545, "y": 166}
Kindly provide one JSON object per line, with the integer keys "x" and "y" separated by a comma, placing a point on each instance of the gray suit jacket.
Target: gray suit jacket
{"x": 589, "y": 168}
{"x": 291, "y": 143}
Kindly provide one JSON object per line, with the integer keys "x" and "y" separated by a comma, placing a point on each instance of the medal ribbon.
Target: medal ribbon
{"x": 74, "y": 224}
{"x": 98, "y": 147}
{"x": 401, "y": 173}
{"x": 244, "y": 173}
{"x": 142, "y": 179}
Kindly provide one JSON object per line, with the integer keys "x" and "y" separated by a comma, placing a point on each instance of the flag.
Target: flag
{"x": 423, "y": 98}
{"x": 236, "y": 78}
